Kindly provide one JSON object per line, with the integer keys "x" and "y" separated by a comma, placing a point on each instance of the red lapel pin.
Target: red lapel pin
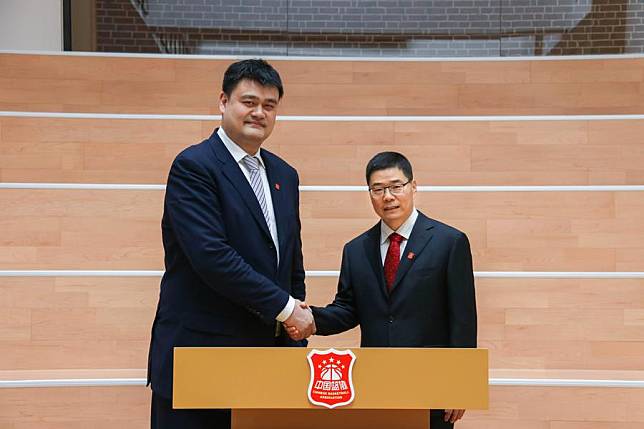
{"x": 410, "y": 255}
{"x": 277, "y": 186}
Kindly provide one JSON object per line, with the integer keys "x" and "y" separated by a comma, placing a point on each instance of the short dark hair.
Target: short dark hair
{"x": 256, "y": 70}
{"x": 385, "y": 160}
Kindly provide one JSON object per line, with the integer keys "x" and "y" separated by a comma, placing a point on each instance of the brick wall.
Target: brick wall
{"x": 371, "y": 27}
{"x": 119, "y": 28}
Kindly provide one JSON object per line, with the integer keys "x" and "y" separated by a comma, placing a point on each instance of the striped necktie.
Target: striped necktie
{"x": 252, "y": 164}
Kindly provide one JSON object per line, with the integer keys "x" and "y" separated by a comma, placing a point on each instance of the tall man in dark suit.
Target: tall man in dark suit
{"x": 408, "y": 280}
{"x": 231, "y": 234}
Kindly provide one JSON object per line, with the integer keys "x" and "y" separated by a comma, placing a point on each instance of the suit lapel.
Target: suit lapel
{"x": 236, "y": 178}
{"x": 275, "y": 183}
{"x": 372, "y": 250}
{"x": 421, "y": 235}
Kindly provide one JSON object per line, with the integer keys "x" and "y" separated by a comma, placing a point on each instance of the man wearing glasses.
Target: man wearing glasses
{"x": 407, "y": 281}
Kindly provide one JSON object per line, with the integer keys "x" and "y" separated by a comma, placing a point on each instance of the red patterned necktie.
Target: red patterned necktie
{"x": 392, "y": 260}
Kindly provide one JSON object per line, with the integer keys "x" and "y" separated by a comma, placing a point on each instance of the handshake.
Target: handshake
{"x": 300, "y": 324}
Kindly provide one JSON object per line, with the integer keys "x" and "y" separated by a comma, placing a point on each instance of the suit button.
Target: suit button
{"x": 391, "y": 319}
{"x": 270, "y": 246}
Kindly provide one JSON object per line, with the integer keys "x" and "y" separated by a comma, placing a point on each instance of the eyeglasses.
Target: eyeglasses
{"x": 397, "y": 189}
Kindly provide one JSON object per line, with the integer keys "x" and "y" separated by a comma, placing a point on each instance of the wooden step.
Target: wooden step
{"x": 105, "y": 322}
{"x": 120, "y": 229}
{"x": 523, "y": 406}
{"x": 577, "y": 152}
{"x": 133, "y": 84}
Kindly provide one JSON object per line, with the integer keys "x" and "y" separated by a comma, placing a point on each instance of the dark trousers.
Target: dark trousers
{"x": 436, "y": 420}
{"x": 162, "y": 416}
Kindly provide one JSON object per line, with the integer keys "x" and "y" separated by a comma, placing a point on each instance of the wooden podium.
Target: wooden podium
{"x": 267, "y": 387}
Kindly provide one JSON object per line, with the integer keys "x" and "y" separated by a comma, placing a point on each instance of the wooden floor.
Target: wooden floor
{"x": 98, "y": 327}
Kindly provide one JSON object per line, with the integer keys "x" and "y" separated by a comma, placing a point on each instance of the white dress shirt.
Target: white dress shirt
{"x": 238, "y": 154}
{"x": 404, "y": 230}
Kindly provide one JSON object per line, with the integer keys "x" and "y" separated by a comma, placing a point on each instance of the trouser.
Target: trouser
{"x": 436, "y": 420}
{"x": 162, "y": 416}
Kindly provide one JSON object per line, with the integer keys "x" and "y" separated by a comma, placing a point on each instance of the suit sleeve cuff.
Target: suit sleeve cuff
{"x": 287, "y": 310}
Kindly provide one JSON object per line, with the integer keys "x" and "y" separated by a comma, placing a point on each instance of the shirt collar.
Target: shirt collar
{"x": 235, "y": 150}
{"x": 404, "y": 229}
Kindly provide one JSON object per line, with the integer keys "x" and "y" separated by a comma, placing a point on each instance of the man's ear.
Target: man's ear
{"x": 223, "y": 101}
{"x": 413, "y": 185}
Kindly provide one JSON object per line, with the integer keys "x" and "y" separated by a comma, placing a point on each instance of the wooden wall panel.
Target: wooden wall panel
{"x": 91, "y": 151}
{"x": 75, "y": 408}
{"x": 558, "y": 408}
{"x": 548, "y": 323}
{"x": 151, "y": 85}
{"x": 90, "y": 323}
{"x": 60, "y": 322}
{"x": 442, "y": 153}
{"x": 104, "y": 322}
{"x": 510, "y": 407}
{"x": 547, "y": 231}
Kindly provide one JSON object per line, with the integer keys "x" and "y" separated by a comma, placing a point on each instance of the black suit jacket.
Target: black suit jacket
{"x": 222, "y": 284}
{"x": 432, "y": 302}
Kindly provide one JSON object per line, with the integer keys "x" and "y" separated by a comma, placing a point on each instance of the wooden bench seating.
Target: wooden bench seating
{"x": 571, "y": 152}
{"x": 58, "y": 327}
{"x": 530, "y": 407}
{"x": 190, "y": 86}
{"x": 104, "y": 322}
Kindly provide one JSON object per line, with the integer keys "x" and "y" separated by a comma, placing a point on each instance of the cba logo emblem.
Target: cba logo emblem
{"x": 331, "y": 382}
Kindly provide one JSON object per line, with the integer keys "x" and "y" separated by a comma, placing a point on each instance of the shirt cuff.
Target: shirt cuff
{"x": 287, "y": 310}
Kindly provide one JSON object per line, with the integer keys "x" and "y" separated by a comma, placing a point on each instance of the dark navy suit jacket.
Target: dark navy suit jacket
{"x": 432, "y": 302}
{"x": 222, "y": 284}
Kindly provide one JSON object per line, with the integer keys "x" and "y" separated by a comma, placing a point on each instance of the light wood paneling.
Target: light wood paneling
{"x": 548, "y": 231}
{"x": 442, "y": 153}
{"x": 96, "y": 322}
{"x": 137, "y": 85}
{"x": 546, "y": 323}
{"x": 559, "y": 408}
{"x": 91, "y": 151}
{"x": 89, "y": 323}
{"x": 58, "y": 323}
{"x": 510, "y": 408}
{"x": 75, "y": 408}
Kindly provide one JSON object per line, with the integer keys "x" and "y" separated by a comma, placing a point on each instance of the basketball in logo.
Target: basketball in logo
{"x": 331, "y": 372}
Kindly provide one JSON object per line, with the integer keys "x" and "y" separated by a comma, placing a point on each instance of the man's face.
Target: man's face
{"x": 248, "y": 115}
{"x": 392, "y": 209}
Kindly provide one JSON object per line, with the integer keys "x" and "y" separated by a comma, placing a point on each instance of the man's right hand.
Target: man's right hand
{"x": 300, "y": 324}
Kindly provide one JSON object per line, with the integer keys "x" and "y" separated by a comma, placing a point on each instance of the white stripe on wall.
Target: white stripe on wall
{"x": 336, "y": 273}
{"x": 535, "y": 188}
{"x": 74, "y": 382}
{"x": 70, "y": 115}
{"x": 324, "y": 58}
{"x": 327, "y": 118}
{"x": 342, "y": 188}
{"x": 84, "y": 186}
{"x": 81, "y": 273}
{"x": 526, "y": 382}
